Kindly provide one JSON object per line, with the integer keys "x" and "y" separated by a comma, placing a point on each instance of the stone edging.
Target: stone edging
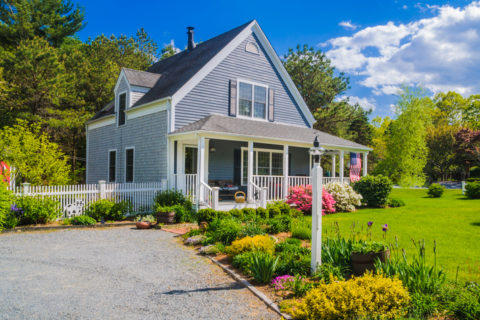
{"x": 272, "y": 305}
{"x": 24, "y": 229}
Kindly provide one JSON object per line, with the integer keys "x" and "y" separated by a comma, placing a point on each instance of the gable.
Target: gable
{"x": 211, "y": 94}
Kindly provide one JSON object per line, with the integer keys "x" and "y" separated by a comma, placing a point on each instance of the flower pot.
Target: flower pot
{"x": 143, "y": 225}
{"x": 166, "y": 217}
{"x": 362, "y": 262}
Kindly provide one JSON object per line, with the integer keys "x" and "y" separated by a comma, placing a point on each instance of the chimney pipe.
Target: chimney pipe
{"x": 191, "y": 43}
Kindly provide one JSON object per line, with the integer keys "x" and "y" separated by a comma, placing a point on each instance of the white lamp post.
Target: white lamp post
{"x": 317, "y": 174}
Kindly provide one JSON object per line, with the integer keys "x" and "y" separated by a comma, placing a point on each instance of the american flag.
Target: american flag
{"x": 355, "y": 166}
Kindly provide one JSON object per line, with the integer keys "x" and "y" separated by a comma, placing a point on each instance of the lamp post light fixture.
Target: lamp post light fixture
{"x": 317, "y": 174}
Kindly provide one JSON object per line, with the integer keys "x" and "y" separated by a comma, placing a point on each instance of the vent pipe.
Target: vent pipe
{"x": 191, "y": 43}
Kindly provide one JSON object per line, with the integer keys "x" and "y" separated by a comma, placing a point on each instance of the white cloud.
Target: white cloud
{"x": 440, "y": 53}
{"x": 365, "y": 103}
{"x": 348, "y": 25}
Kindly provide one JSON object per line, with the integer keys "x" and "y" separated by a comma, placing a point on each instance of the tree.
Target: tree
{"x": 471, "y": 116}
{"x": 406, "y": 152}
{"x": 168, "y": 51}
{"x": 52, "y": 20}
{"x": 467, "y": 149}
{"x": 441, "y": 152}
{"x": 380, "y": 131}
{"x": 35, "y": 159}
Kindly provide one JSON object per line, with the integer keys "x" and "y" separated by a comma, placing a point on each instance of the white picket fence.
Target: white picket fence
{"x": 74, "y": 199}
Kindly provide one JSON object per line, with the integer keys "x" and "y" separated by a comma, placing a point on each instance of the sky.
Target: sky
{"x": 381, "y": 45}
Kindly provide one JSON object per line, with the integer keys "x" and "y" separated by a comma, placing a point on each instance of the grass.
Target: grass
{"x": 452, "y": 221}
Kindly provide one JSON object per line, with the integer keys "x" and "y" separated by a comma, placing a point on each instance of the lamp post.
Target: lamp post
{"x": 317, "y": 173}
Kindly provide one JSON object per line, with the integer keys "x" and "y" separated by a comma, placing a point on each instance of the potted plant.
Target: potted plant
{"x": 365, "y": 253}
{"x": 144, "y": 222}
{"x": 165, "y": 214}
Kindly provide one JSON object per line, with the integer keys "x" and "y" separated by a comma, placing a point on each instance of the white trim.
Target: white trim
{"x": 253, "y": 44}
{"x": 125, "y": 161}
{"x": 283, "y": 72}
{"x": 147, "y": 109}
{"x": 119, "y": 79}
{"x": 140, "y": 89}
{"x": 252, "y": 109}
{"x": 117, "y": 107}
{"x": 86, "y": 153}
{"x": 116, "y": 165}
{"x": 101, "y": 122}
{"x": 185, "y": 146}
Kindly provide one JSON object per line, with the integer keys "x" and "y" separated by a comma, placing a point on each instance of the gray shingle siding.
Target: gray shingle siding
{"x": 147, "y": 134}
{"x": 211, "y": 95}
{"x": 122, "y": 87}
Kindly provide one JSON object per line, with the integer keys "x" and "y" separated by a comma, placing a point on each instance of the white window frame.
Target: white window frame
{"x": 185, "y": 146}
{"x": 116, "y": 165}
{"x": 133, "y": 169}
{"x": 253, "y": 84}
{"x": 117, "y": 107}
{"x": 255, "y": 169}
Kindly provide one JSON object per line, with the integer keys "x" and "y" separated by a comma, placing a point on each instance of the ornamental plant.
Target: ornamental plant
{"x": 297, "y": 285}
{"x": 435, "y": 190}
{"x": 374, "y": 190}
{"x": 301, "y": 197}
{"x": 346, "y": 199}
{"x": 5, "y": 203}
{"x": 257, "y": 243}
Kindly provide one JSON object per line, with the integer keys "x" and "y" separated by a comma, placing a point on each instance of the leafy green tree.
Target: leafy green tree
{"x": 167, "y": 51}
{"x": 406, "y": 152}
{"x": 441, "y": 152}
{"x": 471, "y": 115}
{"x": 380, "y": 129}
{"x": 52, "y": 20}
{"x": 35, "y": 159}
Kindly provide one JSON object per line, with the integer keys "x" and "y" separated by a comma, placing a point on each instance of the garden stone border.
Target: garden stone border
{"x": 272, "y": 305}
{"x": 45, "y": 228}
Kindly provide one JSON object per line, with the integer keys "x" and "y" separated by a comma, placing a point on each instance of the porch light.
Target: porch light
{"x": 316, "y": 151}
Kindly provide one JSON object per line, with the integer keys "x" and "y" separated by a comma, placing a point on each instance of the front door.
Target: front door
{"x": 191, "y": 160}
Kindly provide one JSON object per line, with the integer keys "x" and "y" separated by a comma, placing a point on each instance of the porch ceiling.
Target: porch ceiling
{"x": 218, "y": 126}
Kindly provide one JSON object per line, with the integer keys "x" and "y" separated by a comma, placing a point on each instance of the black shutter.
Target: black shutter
{"x": 233, "y": 98}
{"x": 271, "y": 101}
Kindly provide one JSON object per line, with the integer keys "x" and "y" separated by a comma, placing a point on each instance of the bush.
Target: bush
{"x": 374, "y": 190}
{"x": 297, "y": 284}
{"x": 262, "y": 213}
{"x": 473, "y": 190}
{"x": 183, "y": 213}
{"x": 36, "y": 210}
{"x": 475, "y": 172}
{"x": 249, "y": 214}
{"x": 243, "y": 261}
{"x": 208, "y": 215}
{"x": 82, "y": 221}
{"x": 435, "y": 190}
{"x": 120, "y": 210}
{"x": 109, "y": 210}
{"x": 236, "y": 213}
{"x": 224, "y": 230}
{"x": 251, "y": 228}
{"x": 263, "y": 266}
{"x": 257, "y": 243}
{"x": 346, "y": 199}
{"x": 281, "y": 223}
{"x": 301, "y": 198}
{"x": 293, "y": 259}
{"x": 301, "y": 229}
{"x": 327, "y": 272}
{"x": 463, "y": 302}
{"x": 280, "y": 208}
{"x": 6, "y": 198}
{"x": 395, "y": 203}
{"x": 370, "y": 296}
{"x": 169, "y": 198}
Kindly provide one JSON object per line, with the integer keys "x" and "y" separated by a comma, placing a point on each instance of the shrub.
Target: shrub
{"x": 36, "y": 210}
{"x": 280, "y": 223}
{"x": 183, "y": 213}
{"x": 301, "y": 198}
{"x": 251, "y": 228}
{"x": 243, "y": 261}
{"x": 262, "y": 213}
{"x": 280, "y": 208}
{"x": 301, "y": 229}
{"x": 435, "y": 190}
{"x": 6, "y": 198}
{"x": 109, "y": 210}
{"x": 472, "y": 190}
{"x": 395, "y": 203}
{"x": 463, "y": 302}
{"x": 120, "y": 210}
{"x": 206, "y": 215}
{"x": 249, "y": 214}
{"x": 346, "y": 199}
{"x": 224, "y": 230}
{"x": 82, "y": 221}
{"x": 374, "y": 190}
{"x": 297, "y": 285}
{"x": 370, "y": 296}
{"x": 169, "y": 198}
{"x": 257, "y": 243}
{"x": 236, "y": 213}
{"x": 263, "y": 266}
{"x": 293, "y": 259}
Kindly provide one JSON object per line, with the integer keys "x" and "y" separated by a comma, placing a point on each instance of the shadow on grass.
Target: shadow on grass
{"x": 232, "y": 286}
{"x": 476, "y": 224}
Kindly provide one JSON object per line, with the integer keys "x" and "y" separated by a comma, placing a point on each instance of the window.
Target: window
{"x": 190, "y": 160}
{"x": 112, "y": 165}
{"x": 252, "y": 48}
{"x": 129, "y": 164}
{"x": 122, "y": 104}
{"x": 265, "y": 163}
{"x": 252, "y": 100}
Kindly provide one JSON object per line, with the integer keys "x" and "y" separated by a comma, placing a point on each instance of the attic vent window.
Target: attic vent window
{"x": 252, "y": 48}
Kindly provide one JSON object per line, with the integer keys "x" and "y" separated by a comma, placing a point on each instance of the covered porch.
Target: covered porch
{"x": 210, "y": 166}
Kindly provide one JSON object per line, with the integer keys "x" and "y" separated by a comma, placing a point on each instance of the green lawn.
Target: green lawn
{"x": 453, "y": 221}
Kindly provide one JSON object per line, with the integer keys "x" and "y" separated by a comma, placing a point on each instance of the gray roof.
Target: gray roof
{"x": 269, "y": 130}
{"x": 141, "y": 78}
{"x": 167, "y": 76}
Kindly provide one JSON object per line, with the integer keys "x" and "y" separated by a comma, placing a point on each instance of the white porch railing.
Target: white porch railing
{"x": 206, "y": 195}
{"x": 187, "y": 183}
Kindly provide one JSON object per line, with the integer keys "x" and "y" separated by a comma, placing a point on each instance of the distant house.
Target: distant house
{"x": 223, "y": 113}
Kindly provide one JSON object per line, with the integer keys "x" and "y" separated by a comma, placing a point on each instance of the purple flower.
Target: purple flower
{"x": 385, "y": 227}
{"x": 370, "y": 223}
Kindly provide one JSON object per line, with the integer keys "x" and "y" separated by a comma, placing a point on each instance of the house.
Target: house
{"x": 219, "y": 117}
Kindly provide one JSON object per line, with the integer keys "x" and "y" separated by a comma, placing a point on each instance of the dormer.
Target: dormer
{"x": 131, "y": 86}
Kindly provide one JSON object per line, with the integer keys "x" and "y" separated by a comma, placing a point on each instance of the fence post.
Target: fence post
{"x": 26, "y": 188}
{"x": 216, "y": 191}
{"x": 463, "y": 187}
{"x": 163, "y": 184}
{"x": 263, "y": 197}
{"x": 101, "y": 189}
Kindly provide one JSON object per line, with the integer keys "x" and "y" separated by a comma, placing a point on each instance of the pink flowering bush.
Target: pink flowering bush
{"x": 301, "y": 197}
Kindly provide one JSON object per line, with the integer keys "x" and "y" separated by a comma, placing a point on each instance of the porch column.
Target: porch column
{"x": 200, "y": 168}
{"x": 365, "y": 157}
{"x": 341, "y": 165}
{"x": 207, "y": 158}
{"x": 170, "y": 162}
{"x": 285, "y": 171}
{"x": 333, "y": 166}
{"x": 250, "y": 172}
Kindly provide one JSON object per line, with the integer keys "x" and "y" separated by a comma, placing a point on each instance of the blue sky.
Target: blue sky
{"x": 380, "y": 44}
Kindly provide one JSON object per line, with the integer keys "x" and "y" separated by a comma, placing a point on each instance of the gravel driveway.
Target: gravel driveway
{"x": 117, "y": 273}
